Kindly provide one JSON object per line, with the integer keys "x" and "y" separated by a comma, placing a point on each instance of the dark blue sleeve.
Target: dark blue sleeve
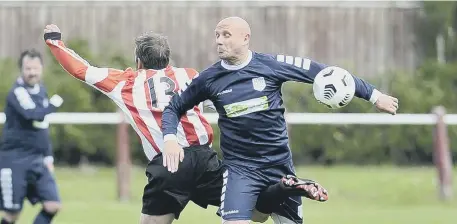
{"x": 194, "y": 94}
{"x": 48, "y": 152}
{"x": 22, "y": 102}
{"x": 289, "y": 68}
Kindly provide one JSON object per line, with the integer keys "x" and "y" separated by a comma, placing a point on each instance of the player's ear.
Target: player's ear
{"x": 139, "y": 64}
{"x": 247, "y": 38}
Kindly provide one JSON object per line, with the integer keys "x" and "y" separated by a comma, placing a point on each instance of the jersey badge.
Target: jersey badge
{"x": 259, "y": 83}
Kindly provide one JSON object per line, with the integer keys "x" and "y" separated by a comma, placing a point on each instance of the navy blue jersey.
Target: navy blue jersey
{"x": 249, "y": 102}
{"x": 26, "y": 130}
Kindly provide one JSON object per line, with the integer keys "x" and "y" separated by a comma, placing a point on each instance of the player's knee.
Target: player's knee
{"x": 52, "y": 207}
{"x": 236, "y": 222}
{"x": 259, "y": 217}
{"x": 157, "y": 219}
{"x": 11, "y": 217}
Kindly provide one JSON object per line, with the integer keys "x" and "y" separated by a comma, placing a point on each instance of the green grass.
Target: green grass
{"x": 368, "y": 195}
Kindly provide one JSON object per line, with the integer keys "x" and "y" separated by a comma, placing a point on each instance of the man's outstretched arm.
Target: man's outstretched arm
{"x": 299, "y": 69}
{"x": 103, "y": 79}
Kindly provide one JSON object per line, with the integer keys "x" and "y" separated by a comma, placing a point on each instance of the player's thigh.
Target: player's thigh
{"x": 13, "y": 187}
{"x": 239, "y": 193}
{"x": 168, "y": 192}
{"x": 209, "y": 184}
{"x": 44, "y": 188}
{"x": 156, "y": 219}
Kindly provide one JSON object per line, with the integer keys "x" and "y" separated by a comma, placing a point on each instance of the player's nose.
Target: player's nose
{"x": 219, "y": 41}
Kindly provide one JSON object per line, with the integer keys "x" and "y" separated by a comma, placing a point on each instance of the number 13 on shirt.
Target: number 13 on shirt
{"x": 162, "y": 89}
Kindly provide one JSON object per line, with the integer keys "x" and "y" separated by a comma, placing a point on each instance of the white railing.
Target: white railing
{"x": 292, "y": 118}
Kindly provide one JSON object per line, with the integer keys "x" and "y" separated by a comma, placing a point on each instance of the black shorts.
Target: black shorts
{"x": 198, "y": 179}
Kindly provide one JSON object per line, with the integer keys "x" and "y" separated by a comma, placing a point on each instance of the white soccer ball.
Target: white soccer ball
{"x": 334, "y": 87}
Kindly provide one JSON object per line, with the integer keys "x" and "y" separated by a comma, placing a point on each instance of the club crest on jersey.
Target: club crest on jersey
{"x": 259, "y": 83}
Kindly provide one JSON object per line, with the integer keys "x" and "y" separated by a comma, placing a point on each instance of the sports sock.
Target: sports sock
{"x": 5, "y": 222}
{"x": 43, "y": 218}
{"x": 271, "y": 198}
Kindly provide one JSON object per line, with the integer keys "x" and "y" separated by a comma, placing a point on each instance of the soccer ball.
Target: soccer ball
{"x": 334, "y": 87}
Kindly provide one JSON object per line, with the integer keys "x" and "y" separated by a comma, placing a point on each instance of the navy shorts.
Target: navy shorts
{"x": 25, "y": 178}
{"x": 242, "y": 186}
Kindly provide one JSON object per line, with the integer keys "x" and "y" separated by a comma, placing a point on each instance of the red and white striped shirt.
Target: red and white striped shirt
{"x": 141, "y": 95}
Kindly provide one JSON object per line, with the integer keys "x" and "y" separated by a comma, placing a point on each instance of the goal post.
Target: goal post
{"x": 123, "y": 159}
{"x": 442, "y": 155}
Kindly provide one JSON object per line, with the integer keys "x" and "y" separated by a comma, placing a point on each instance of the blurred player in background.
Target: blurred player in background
{"x": 26, "y": 161}
{"x": 245, "y": 88}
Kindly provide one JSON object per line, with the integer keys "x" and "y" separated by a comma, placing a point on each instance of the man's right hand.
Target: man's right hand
{"x": 172, "y": 155}
{"x": 56, "y": 100}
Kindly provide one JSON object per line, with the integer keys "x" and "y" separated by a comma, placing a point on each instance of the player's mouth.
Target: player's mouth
{"x": 220, "y": 50}
{"x": 31, "y": 79}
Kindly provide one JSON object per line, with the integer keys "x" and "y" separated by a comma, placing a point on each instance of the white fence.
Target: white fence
{"x": 292, "y": 118}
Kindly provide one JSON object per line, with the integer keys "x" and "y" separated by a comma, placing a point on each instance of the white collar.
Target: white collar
{"x": 237, "y": 67}
{"x": 32, "y": 90}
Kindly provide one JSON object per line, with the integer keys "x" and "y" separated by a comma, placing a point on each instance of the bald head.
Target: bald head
{"x": 232, "y": 38}
{"x": 238, "y": 24}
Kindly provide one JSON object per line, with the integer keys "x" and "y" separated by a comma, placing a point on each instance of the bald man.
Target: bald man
{"x": 245, "y": 87}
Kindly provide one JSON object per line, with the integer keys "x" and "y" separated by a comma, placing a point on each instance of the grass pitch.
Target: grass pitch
{"x": 374, "y": 195}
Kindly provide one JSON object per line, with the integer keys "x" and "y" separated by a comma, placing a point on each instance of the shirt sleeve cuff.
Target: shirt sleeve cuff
{"x": 48, "y": 160}
{"x": 169, "y": 137}
{"x": 375, "y": 96}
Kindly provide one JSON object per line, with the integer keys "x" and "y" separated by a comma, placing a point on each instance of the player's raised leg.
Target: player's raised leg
{"x": 289, "y": 186}
{"x": 283, "y": 199}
